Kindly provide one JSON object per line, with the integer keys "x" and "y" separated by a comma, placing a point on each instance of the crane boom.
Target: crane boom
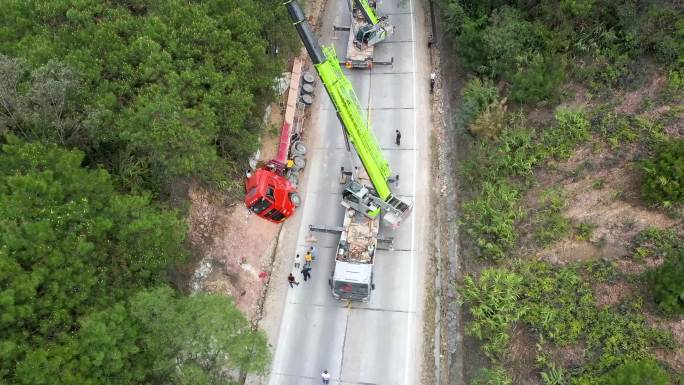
{"x": 367, "y": 11}
{"x": 356, "y": 126}
{"x": 346, "y": 104}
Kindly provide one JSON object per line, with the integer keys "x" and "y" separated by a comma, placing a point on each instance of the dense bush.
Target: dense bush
{"x": 559, "y": 303}
{"x": 558, "y": 306}
{"x": 493, "y": 301}
{"x": 636, "y": 373}
{"x": 667, "y": 284}
{"x": 477, "y": 95}
{"x": 490, "y": 219}
{"x": 604, "y": 41}
{"x": 664, "y": 174}
{"x": 537, "y": 81}
{"x": 514, "y": 154}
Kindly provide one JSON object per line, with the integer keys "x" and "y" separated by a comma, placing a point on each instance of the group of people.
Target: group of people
{"x": 309, "y": 257}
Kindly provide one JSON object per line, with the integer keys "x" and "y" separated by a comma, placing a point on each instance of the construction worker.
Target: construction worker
{"x": 291, "y": 280}
{"x": 306, "y": 272}
{"x": 308, "y": 257}
{"x": 325, "y": 376}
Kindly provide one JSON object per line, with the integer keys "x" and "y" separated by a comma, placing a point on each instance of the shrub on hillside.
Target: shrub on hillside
{"x": 493, "y": 300}
{"x": 493, "y": 376}
{"x": 549, "y": 224}
{"x": 664, "y": 174}
{"x": 667, "y": 284}
{"x": 477, "y": 95}
{"x": 636, "y": 373}
{"x": 538, "y": 81}
{"x": 490, "y": 219}
{"x": 572, "y": 129}
{"x": 662, "y": 32}
{"x": 491, "y": 121}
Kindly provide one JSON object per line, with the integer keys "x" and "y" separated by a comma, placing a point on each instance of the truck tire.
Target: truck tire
{"x": 308, "y": 78}
{"x": 308, "y": 88}
{"x": 298, "y": 148}
{"x": 295, "y": 199}
{"x": 307, "y": 99}
{"x": 299, "y": 162}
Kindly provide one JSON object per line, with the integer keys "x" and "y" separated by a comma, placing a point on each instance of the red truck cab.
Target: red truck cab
{"x": 270, "y": 195}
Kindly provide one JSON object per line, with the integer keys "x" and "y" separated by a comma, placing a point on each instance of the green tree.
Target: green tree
{"x": 636, "y": 373}
{"x": 69, "y": 243}
{"x": 194, "y": 75}
{"x": 198, "y": 339}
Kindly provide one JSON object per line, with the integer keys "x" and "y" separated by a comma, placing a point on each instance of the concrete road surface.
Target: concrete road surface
{"x": 379, "y": 342}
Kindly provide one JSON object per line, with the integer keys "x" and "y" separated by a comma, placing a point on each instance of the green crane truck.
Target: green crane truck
{"x": 365, "y": 198}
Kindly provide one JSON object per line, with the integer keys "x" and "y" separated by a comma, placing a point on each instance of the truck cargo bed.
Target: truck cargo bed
{"x": 358, "y": 57}
{"x": 359, "y": 238}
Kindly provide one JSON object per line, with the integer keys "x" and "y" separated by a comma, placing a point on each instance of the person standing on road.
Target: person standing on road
{"x": 308, "y": 257}
{"x": 306, "y": 272}
{"x": 291, "y": 280}
{"x": 433, "y": 78}
{"x": 325, "y": 376}
{"x": 296, "y": 261}
{"x": 314, "y": 252}
{"x": 398, "y": 138}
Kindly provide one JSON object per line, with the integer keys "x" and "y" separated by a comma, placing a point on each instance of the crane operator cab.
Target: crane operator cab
{"x": 359, "y": 198}
{"x": 370, "y": 34}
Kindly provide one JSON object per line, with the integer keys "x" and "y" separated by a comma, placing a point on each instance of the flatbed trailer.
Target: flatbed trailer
{"x": 360, "y": 55}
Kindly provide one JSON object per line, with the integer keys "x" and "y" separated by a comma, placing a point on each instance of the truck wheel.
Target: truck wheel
{"x": 296, "y": 200}
{"x": 299, "y": 148}
{"x": 299, "y": 162}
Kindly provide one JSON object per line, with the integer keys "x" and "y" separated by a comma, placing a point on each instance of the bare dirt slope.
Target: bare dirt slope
{"x": 237, "y": 247}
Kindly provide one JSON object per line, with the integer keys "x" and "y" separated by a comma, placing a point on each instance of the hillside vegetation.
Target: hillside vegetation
{"x": 104, "y": 108}
{"x": 571, "y": 126}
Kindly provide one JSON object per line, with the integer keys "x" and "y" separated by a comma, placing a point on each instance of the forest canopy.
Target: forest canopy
{"x": 104, "y": 106}
{"x": 151, "y": 90}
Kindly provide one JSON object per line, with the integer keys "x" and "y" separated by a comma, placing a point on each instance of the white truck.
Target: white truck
{"x": 352, "y": 276}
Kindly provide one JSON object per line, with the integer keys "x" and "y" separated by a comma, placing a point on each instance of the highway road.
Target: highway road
{"x": 379, "y": 342}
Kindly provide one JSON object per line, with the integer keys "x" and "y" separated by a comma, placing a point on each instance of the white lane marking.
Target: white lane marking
{"x": 412, "y": 278}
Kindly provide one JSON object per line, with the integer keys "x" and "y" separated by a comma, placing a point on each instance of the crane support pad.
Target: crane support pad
{"x": 326, "y": 229}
